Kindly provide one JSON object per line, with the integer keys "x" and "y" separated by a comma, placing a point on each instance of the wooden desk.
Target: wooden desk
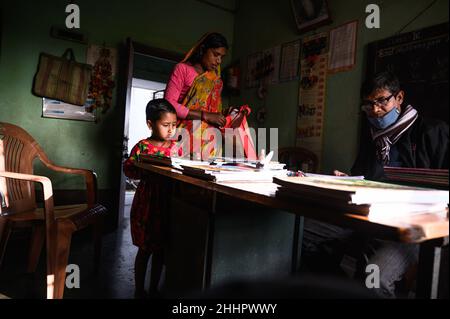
{"x": 428, "y": 230}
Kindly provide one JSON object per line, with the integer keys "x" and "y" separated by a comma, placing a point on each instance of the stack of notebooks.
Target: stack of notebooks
{"x": 418, "y": 176}
{"x": 221, "y": 170}
{"x": 157, "y": 160}
{"x": 364, "y": 197}
{"x": 232, "y": 173}
{"x": 174, "y": 162}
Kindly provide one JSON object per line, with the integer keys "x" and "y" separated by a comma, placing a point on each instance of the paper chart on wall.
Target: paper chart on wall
{"x": 290, "y": 55}
{"x": 343, "y": 47}
{"x": 274, "y": 54}
{"x": 311, "y": 101}
{"x": 251, "y": 80}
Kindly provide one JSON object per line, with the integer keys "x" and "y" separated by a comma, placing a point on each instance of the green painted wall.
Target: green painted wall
{"x": 152, "y": 69}
{"x": 168, "y": 24}
{"x": 262, "y": 24}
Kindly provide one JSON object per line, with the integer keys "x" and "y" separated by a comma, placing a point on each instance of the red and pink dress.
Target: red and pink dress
{"x": 149, "y": 200}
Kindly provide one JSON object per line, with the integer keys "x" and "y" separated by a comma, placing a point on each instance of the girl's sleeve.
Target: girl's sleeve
{"x": 174, "y": 88}
{"x": 129, "y": 169}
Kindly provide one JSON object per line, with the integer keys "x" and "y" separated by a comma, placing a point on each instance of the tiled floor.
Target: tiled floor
{"x": 115, "y": 279}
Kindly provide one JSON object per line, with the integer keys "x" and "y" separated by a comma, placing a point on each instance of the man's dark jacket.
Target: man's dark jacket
{"x": 423, "y": 145}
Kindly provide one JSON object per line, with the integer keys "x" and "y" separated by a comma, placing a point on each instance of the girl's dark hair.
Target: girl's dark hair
{"x": 155, "y": 108}
{"x": 384, "y": 80}
{"x": 213, "y": 40}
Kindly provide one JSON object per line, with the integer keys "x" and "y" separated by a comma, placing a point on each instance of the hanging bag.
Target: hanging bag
{"x": 62, "y": 78}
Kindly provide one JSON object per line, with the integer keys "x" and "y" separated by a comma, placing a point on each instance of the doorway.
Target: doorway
{"x": 142, "y": 92}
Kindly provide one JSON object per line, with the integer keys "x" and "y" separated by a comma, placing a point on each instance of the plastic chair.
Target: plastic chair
{"x": 54, "y": 224}
{"x": 298, "y": 158}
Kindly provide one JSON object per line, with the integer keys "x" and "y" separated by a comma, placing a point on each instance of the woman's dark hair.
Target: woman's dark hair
{"x": 384, "y": 80}
{"x": 213, "y": 40}
{"x": 155, "y": 108}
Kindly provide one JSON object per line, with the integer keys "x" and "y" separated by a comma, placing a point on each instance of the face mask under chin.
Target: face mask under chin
{"x": 387, "y": 120}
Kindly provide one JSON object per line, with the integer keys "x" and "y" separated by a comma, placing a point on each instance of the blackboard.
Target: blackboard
{"x": 420, "y": 60}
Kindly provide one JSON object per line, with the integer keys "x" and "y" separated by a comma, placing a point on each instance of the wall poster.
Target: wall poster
{"x": 311, "y": 99}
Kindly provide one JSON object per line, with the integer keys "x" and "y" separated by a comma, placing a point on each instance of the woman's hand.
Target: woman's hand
{"x": 216, "y": 119}
{"x": 230, "y": 110}
{"x": 339, "y": 173}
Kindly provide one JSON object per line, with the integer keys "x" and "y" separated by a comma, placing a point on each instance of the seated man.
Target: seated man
{"x": 396, "y": 136}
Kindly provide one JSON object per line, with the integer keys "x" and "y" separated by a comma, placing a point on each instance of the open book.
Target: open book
{"x": 363, "y": 196}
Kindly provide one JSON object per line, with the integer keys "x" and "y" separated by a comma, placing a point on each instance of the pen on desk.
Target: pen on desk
{"x": 296, "y": 173}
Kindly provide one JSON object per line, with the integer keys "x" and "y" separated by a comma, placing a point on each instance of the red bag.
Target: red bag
{"x": 237, "y": 119}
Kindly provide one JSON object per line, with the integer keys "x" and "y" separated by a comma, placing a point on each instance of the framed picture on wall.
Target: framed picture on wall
{"x": 310, "y": 14}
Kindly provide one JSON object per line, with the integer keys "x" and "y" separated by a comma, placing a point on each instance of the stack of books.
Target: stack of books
{"x": 418, "y": 176}
{"x": 221, "y": 170}
{"x": 156, "y": 159}
{"x": 174, "y": 162}
{"x": 231, "y": 173}
{"x": 364, "y": 197}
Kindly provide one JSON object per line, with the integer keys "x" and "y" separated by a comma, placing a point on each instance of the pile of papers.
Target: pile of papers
{"x": 238, "y": 172}
{"x": 418, "y": 176}
{"x": 174, "y": 162}
{"x": 156, "y": 159}
{"x": 360, "y": 196}
{"x": 221, "y": 170}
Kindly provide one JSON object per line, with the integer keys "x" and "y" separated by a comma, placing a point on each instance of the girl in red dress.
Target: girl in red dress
{"x": 148, "y": 203}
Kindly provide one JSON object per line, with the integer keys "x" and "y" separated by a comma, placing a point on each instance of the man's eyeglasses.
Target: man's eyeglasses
{"x": 367, "y": 105}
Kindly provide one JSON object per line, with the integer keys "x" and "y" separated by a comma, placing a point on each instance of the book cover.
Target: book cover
{"x": 156, "y": 159}
{"x": 230, "y": 173}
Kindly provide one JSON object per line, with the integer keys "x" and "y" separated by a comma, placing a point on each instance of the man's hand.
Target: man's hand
{"x": 339, "y": 173}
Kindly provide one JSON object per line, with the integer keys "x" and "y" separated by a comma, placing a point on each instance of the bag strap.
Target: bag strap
{"x": 69, "y": 51}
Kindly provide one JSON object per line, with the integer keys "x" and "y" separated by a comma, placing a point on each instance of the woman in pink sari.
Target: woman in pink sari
{"x": 194, "y": 89}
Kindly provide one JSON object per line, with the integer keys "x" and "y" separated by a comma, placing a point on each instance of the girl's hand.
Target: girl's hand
{"x": 216, "y": 119}
{"x": 339, "y": 173}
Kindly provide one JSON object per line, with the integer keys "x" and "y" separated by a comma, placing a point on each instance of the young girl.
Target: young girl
{"x": 148, "y": 203}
